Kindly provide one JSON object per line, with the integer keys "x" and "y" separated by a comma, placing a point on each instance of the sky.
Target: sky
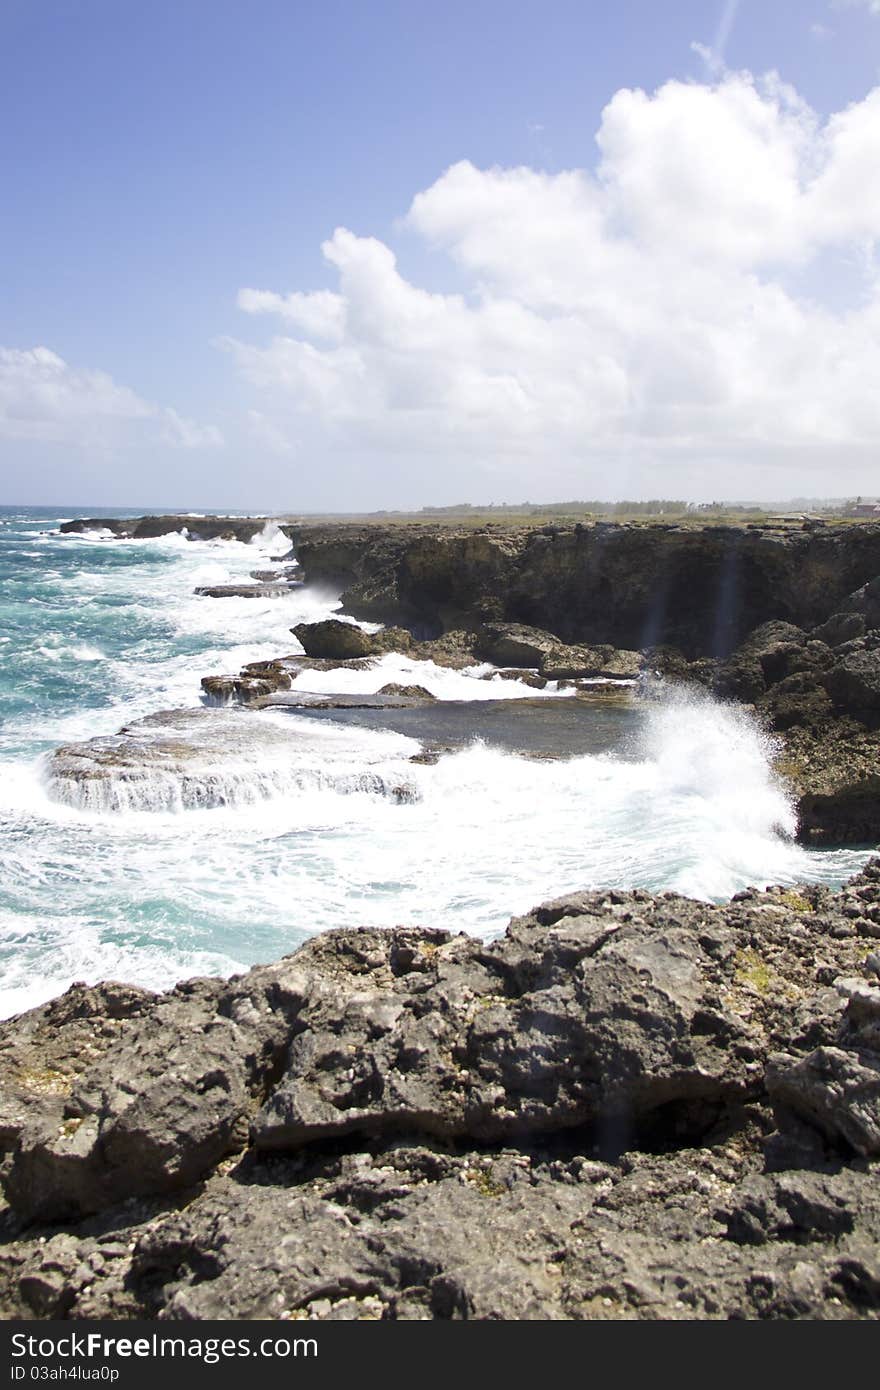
{"x": 356, "y": 254}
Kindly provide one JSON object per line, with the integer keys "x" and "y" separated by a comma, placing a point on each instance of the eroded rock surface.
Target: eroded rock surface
{"x": 628, "y": 1106}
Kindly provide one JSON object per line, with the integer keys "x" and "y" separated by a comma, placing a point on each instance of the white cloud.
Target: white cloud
{"x": 646, "y": 310}
{"x": 179, "y": 432}
{"x": 45, "y": 399}
{"x": 269, "y": 434}
{"x": 872, "y": 6}
{"x": 320, "y": 314}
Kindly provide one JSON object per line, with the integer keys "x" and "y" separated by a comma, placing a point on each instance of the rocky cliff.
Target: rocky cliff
{"x": 702, "y": 589}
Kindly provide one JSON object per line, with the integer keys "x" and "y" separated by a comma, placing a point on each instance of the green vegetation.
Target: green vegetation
{"x": 485, "y": 1184}
{"x": 464, "y": 515}
{"x": 753, "y": 971}
{"x": 796, "y": 901}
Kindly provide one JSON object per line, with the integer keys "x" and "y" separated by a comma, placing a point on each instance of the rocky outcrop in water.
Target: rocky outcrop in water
{"x": 333, "y": 640}
{"x": 260, "y": 590}
{"x": 835, "y": 774}
{"x": 203, "y": 759}
{"x": 206, "y": 528}
{"x": 255, "y": 681}
{"x": 628, "y": 1106}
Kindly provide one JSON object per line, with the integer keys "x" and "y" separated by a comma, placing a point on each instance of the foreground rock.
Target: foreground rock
{"x": 605, "y": 1113}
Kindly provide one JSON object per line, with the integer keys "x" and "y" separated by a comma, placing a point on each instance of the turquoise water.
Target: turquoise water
{"x": 96, "y": 633}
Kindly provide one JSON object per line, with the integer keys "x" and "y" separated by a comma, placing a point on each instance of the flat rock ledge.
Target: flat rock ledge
{"x": 630, "y": 1105}
{"x": 266, "y": 589}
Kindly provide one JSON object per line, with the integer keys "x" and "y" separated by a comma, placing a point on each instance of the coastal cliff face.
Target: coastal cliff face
{"x": 783, "y": 618}
{"x": 604, "y": 1114}
{"x": 701, "y": 589}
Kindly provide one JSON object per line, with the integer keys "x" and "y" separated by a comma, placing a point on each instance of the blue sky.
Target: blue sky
{"x": 159, "y": 159}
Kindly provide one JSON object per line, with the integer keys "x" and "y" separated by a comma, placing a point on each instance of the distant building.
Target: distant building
{"x": 871, "y": 509}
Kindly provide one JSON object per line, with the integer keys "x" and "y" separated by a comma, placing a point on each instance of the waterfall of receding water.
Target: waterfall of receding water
{"x": 197, "y": 760}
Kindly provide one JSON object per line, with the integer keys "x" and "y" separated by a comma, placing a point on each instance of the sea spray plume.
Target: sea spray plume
{"x": 714, "y": 785}
{"x": 271, "y": 534}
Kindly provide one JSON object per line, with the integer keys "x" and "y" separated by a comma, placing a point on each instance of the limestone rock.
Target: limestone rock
{"x": 611, "y": 1048}
{"x": 259, "y": 590}
{"x": 835, "y": 1089}
{"x": 332, "y": 639}
{"x": 584, "y": 663}
{"x": 514, "y": 644}
{"x": 840, "y": 627}
{"x": 834, "y": 770}
{"x": 854, "y": 685}
{"x": 412, "y": 692}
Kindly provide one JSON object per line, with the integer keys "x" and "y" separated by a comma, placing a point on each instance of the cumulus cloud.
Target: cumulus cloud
{"x": 673, "y": 302}
{"x": 43, "y": 398}
{"x": 318, "y": 315}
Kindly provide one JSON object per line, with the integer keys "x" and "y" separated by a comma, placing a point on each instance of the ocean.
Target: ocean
{"x": 295, "y": 823}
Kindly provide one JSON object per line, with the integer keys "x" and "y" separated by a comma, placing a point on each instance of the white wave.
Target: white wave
{"x": 477, "y": 682}
{"x": 73, "y": 948}
{"x": 74, "y": 652}
{"x": 490, "y": 834}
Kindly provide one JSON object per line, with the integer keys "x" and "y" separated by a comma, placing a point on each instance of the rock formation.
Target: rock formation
{"x": 628, "y": 1106}
{"x": 700, "y": 588}
{"x": 206, "y": 528}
